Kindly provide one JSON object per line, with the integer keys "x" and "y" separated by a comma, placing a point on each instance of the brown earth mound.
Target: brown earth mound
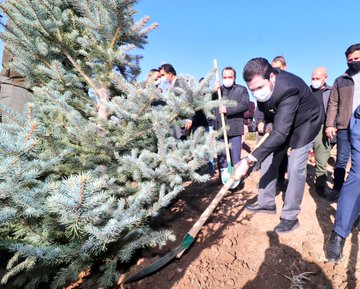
{"x": 237, "y": 249}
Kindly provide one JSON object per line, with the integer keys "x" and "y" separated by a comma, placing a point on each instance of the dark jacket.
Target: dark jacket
{"x": 180, "y": 83}
{"x": 322, "y": 95}
{"x": 199, "y": 119}
{"x": 340, "y": 107}
{"x": 294, "y": 112}
{"x": 234, "y": 117}
{"x": 10, "y": 76}
{"x": 249, "y": 114}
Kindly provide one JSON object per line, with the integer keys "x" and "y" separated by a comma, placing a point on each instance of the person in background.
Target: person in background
{"x": 322, "y": 146}
{"x": 344, "y": 99}
{"x": 13, "y": 92}
{"x": 170, "y": 80}
{"x": 169, "y": 77}
{"x": 348, "y": 207}
{"x": 152, "y": 78}
{"x": 200, "y": 120}
{"x": 296, "y": 117}
{"x": 249, "y": 124}
{"x": 279, "y": 62}
{"x": 234, "y": 115}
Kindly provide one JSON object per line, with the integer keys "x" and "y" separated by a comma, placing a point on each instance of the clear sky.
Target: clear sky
{"x": 308, "y": 33}
{"x": 191, "y": 33}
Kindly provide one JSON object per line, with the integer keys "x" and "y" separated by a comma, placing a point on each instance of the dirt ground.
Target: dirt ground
{"x": 237, "y": 249}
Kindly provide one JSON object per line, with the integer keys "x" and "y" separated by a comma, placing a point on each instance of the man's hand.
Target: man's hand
{"x": 217, "y": 85}
{"x": 241, "y": 169}
{"x": 260, "y": 127}
{"x": 188, "y": 124}
{"x": 330, "y": 132}
{"x": 222, "y": 109}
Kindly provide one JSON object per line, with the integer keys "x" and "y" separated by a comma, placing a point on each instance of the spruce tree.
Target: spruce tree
{"x": 90, "y": 160}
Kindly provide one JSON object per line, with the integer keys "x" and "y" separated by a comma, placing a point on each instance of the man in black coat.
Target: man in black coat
{"x": 296, "y": 117}
{"x": 234, "y": 115}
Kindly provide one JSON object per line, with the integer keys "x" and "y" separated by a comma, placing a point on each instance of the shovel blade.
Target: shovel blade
{"x": 226, "y": 175}
{"x": 152, "y": 268}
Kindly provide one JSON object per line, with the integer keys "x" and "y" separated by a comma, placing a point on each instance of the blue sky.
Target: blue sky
{"x": 192, "y": 33}
{"x": 307, "y": 33}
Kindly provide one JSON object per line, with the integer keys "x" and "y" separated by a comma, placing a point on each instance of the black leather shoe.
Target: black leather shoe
{"x": 321, "y": 191}
{"x": 282, "y": 185}
{"x": 286, "y": 226}
{"x": 333, "y": 195}
{"x": 334, "y": 247}
{"x": 256, "y": 208}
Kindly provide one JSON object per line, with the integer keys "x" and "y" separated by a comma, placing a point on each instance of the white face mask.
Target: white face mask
{"x": 157, "y": 81}
{"x": 263, "y": 94}
{"x": 165, "y": 80}
{"x": 316, "y": 84}
{"x": 228, "y": 82}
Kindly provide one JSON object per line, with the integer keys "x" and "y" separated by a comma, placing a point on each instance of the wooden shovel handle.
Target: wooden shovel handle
{"x": 205, "y": 215}
{"x": 228, "y": 158}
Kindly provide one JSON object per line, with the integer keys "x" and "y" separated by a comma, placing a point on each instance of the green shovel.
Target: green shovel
{"x": 189, "y": 236}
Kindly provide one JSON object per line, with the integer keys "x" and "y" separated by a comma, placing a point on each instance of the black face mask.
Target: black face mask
{"x": 354, "y": 66}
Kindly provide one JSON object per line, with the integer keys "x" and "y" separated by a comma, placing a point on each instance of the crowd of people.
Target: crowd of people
{"x": 305, "y": 118}
{"x": 300, "y": 119}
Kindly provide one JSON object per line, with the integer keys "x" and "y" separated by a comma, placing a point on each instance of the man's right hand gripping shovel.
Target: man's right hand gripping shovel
{"x": 242, "y": 167}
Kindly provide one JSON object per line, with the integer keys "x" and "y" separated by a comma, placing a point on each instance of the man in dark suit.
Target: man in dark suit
{"x": 170, "y": 80}
{"x": 296, "y": 117}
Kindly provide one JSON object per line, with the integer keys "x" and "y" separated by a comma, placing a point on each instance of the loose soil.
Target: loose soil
{"x": 238, "y": 249}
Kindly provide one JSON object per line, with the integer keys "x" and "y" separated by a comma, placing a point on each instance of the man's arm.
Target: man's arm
{"x": 250, "y": 112}
{"x": 331, "y": 112}
{"x": 283, "y": 121}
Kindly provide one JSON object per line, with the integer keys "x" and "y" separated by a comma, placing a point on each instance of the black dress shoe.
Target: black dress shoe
{"x": 256, "y": 208}
{"x": 286, "y": 226}
{"x": 334, "y": 247}
{"x": 321, "y": 191}
{"x": 333, "y": 195}
{"x": 282, "y": 185}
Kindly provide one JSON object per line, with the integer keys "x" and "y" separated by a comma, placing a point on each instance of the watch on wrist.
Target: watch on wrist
{"x": 249, "y": 161}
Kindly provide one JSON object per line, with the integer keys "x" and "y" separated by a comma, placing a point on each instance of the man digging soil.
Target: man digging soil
{"x": 287, "y": 102}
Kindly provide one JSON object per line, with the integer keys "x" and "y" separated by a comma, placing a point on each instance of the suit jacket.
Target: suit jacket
{"x": 180, "y": 83}
{"x": 294, "y": 112}
{"x": 180, "y": 132}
